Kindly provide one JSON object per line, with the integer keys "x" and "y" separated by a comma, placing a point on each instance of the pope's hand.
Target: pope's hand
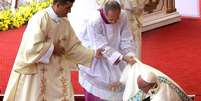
{"x": 129, "y": 59}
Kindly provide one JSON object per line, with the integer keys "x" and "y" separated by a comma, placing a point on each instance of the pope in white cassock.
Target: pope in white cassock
{"x": 40, "y": 71}
{"x": 108, "y": 30}
{"x": 144, "y": 83}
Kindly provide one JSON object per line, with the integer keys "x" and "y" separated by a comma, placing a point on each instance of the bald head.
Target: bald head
{"x": 111, "y": 5}
{"x": 112, "y": 11}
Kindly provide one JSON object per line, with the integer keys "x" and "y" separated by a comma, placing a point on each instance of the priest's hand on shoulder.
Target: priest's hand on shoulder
{"x": 58, "y": 50}
{"x": 129, "y": 59}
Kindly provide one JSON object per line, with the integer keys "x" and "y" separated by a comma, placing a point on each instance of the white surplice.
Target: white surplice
{"x": 39, "y": 75}
{"x": 116, "y": 40}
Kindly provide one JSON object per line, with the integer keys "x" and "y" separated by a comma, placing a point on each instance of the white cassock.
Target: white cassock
{"x": 117, "y": 41}
{"x": 164, "y": 92}
{"x": 39, "y": 75}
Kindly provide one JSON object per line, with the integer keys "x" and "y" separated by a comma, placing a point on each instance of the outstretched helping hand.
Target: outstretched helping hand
{"x": 99, "y": 53}
{"x": 129, "y": 59}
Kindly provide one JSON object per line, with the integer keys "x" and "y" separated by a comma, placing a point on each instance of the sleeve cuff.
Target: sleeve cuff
{"x": 114, "y": 57}
{"x": 45, "y": 58}
{"x": 130, "y": 54}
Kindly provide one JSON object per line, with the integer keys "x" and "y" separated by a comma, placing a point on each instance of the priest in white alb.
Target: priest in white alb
{"x": 108, "y": 30}
{"x": 41, "y": 71}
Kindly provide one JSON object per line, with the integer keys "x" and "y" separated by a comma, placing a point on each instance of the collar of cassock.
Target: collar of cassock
{"x": 103, "y": 16}
{"x": 52, "y": 14}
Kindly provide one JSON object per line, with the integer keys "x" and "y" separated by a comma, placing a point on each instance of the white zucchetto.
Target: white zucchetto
{"x": 148, "y": 76}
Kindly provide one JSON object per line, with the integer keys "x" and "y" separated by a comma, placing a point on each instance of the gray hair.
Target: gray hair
{"x": 111, "y": 5}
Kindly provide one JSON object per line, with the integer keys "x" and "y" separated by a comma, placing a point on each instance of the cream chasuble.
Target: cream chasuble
{"x": 164, "y": 91}
{"x": 35, "y": 79}
{"x": 129, "y": 78}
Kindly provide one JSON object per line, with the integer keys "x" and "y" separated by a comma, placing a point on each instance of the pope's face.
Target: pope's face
{"x": 112, "y": 16}
{"x": 143, "y": 85}
{"x": 63, "y": 10}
